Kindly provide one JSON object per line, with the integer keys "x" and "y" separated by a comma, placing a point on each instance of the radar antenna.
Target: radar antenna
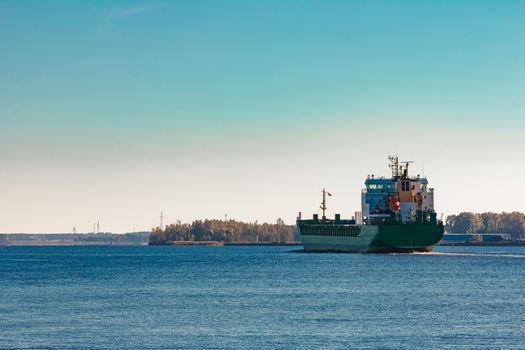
{"x": 404, "y": 170}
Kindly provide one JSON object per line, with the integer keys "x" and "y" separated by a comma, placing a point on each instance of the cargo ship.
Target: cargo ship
{"x": 397, "y": 216}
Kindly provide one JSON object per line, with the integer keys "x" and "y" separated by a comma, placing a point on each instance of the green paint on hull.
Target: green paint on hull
{"x": 410, "y": 236}
{"x": 383, "y": 238}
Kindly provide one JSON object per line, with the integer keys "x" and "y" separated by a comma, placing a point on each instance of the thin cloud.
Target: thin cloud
{"x": 109, "y": 28}
{"x": 129, "y": 11}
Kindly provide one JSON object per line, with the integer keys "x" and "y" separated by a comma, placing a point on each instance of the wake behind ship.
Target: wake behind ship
{"x": 397, "y": 216}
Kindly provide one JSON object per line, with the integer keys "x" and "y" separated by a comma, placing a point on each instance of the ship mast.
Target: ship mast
{"x": 394, "y": 165}
{"x": 323, "y": 204}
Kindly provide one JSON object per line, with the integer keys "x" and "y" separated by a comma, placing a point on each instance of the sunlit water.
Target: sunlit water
{"x": 259, "y": 298}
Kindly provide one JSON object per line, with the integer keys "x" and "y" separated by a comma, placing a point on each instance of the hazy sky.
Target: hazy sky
{"x": 117, "y": 110}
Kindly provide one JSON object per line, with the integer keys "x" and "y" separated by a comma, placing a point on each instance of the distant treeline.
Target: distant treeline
{"x": 225, "y": 231}
{"x": 513, "y": 223}
{"x": 132, "y": 237}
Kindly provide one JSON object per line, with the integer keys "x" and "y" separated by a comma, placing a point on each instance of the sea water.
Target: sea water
{"x": 88, "y": 297}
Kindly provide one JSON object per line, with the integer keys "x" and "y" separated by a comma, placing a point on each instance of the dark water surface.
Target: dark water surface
{"x": 260, "y": 298}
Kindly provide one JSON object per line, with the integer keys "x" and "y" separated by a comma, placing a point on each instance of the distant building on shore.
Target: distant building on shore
{"x": 451, "y": 238}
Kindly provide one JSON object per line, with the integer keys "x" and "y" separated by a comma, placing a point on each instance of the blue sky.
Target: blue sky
{"x": 116, "y": 110}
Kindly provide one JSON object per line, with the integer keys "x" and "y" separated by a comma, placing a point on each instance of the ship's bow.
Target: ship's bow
{"x": 411, "y": 237}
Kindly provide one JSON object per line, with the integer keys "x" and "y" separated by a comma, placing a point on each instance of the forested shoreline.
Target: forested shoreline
{"x": 225, "y": 231}
{"x": 242, "y": 232}
{"x": 466, "y": 222}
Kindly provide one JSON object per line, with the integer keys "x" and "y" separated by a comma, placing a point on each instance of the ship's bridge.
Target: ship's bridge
{"x": 380, "y": 185}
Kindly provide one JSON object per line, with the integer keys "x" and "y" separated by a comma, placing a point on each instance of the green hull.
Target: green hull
{"x": 382, "y": 238}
